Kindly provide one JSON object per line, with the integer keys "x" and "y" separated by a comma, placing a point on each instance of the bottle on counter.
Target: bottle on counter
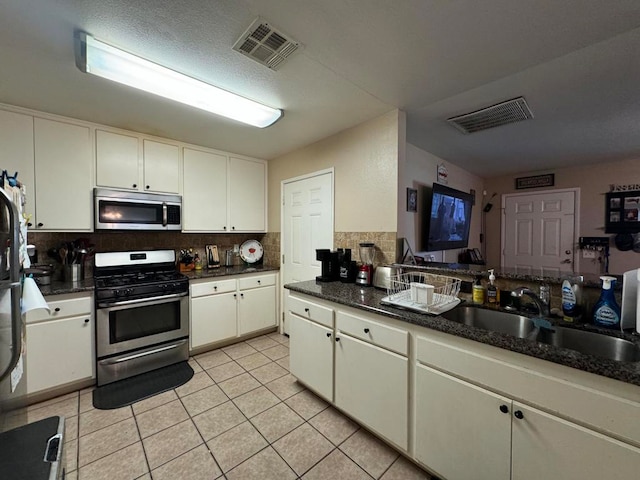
{"x": 606, "y": 312}
{"x": 478, "y": 291}
{"x": 492, "y": 291}
{"x": 572, "y": 299}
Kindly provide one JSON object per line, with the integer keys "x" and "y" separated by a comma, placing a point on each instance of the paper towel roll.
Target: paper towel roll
{"x": 32, "y": 298}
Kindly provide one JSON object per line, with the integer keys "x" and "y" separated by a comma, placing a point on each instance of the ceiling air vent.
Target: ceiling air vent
{"x": 266, "y": 45}
{"x": 511, "y": 111}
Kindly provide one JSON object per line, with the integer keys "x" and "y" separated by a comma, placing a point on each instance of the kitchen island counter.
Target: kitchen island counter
{"x": 368, "y": 299}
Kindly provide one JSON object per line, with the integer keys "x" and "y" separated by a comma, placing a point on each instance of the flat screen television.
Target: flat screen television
{"x": 449, "y": 218}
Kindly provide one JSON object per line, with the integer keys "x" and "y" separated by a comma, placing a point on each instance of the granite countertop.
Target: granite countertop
{"x": 59, "y": 288}
{"x": 589, "y": 280}
{"x": 224, "y": 271}
{"x": 368, "y": 298}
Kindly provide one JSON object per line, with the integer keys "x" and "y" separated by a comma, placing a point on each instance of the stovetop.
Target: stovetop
{"x": 138, "y": 278}
{"x": 138, "y": 285}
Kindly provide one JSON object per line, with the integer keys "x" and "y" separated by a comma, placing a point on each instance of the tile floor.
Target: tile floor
{"x": 241, "y": 417}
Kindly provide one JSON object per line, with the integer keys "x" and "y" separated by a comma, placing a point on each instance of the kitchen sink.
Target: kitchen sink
{"x": 591, "y": 343}
{"x": 494, "y": 321}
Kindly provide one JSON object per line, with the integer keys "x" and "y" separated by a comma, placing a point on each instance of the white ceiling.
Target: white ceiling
{"x": 577, "y": 62}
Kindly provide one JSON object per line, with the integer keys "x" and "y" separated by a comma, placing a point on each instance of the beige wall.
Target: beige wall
{"x": 420, "y": 170}
{"x": 365, "y": 159}
{"x": 593, "y": 181}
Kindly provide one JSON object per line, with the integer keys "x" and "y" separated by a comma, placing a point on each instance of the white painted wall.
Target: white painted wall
{"x": 420, "y": 170}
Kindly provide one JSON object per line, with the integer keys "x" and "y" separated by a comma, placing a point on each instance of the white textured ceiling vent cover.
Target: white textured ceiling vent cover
{"x": 514, "y": 110}
{"x": 266, "y": 45}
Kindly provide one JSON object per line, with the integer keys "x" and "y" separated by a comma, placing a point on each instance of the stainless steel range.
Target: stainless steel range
{"x": 142, "y": 313}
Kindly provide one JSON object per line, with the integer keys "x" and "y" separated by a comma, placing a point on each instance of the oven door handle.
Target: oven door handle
{"x": 165, "y": 219}
{"x": 143, "y": 300}
{"x": 142, "y": 354}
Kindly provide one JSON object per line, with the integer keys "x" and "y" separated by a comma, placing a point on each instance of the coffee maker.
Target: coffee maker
{"x": 330, "y": 265}
{"x": 367, "y": 256}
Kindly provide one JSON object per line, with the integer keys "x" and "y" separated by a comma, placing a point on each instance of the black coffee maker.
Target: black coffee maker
{"x": 330, "y": 265}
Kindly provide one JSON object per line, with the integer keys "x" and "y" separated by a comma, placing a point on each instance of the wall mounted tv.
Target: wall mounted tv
{"x": 449, "y": 219}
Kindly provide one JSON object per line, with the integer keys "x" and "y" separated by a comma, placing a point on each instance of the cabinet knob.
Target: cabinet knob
{"x": 328, "y": 335}
{"x": 135, "y": 185}
{"x": 233, "y": 228}
{"x": 366, "y": 330}
{"x": 57, "y": 309}
{"x": 518, "y": 414}
{"x": 224, "y": 228}
{"x": 29, "y": 224}
{"x": 235, "y": 295}
{"x": 306, "y": 310}
{"x": 147, "y": 187}
{"x": 41, "y": 224}
{"x": 86, "y": 320}
{"x": 242, "y": 295}
{"x": 337, "y": 339}
{"x": 215, "y": 287}
{"x": 258, "y": 282}
{"x": 504, "y": 409}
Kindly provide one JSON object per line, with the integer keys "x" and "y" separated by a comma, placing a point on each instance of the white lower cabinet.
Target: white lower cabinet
{"x": 372, "y": 386}
{"x": 467, "y": 432}
{"x": 229, "y": 308}
{"x": 462, "y": 431}
{"x": 60, "y": 345}
{"x": 545, "y": 446}
{"x": 311, "y": 354}
{"x": 256, "y": 309}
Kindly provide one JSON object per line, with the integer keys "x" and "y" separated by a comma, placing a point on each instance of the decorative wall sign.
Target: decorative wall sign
{"x": 614, "y": 187}
{"x": 547, "y": 180}
{"x": 412, "y": 200}
{"x": 443, "y": 174}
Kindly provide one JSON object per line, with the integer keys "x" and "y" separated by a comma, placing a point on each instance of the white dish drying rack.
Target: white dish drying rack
{"x": 443, "y": 297}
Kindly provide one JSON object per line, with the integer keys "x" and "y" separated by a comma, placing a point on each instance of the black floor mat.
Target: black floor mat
{"x": 130, "y": 390}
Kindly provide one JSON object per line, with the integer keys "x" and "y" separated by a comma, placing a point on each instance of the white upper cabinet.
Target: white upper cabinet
{"x": 63, "y": 176}
{"x": 127, "y": 161}
{"x": 117, "y": 162}
{"x": 247, "y": 195}
{"x": 16, "y": 152}
{"x": 161, "y": 167}
{"x": 204, "y": 199}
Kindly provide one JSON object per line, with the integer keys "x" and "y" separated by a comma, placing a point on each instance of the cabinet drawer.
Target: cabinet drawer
{"x": 62, "y": 306}
{"x": 311, "y": 311}
{"x": 212, "y": 288}
{"x": 254, "y": 282}
{"x": 376, "y": 333}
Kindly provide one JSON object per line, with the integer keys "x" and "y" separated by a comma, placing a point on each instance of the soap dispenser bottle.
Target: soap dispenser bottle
{"x": 478, "y": 291}
{"x": 492, "y": 291}
{"x": 606, "y": 312}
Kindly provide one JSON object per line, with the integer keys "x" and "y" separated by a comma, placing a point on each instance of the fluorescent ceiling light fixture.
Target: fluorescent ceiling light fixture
{"x": 103, "y": 60}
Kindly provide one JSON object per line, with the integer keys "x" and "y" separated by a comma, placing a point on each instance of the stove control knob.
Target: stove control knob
{"x": 117, "y": 293}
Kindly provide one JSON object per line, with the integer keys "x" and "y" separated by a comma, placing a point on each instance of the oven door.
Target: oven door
{"x": 133, "y": 324}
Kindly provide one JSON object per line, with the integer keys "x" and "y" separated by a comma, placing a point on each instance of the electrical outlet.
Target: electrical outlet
{"x": 588, "y": 254}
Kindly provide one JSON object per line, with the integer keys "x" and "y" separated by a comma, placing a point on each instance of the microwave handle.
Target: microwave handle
{"x": 165, "y": 221}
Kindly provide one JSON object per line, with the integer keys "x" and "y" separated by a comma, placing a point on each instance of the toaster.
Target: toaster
{"x": 382, "y": 276}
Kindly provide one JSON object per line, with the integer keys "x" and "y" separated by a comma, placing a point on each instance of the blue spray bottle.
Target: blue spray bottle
{"x": 606, "y": 312}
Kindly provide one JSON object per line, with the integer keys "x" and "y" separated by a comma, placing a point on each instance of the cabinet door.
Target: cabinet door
{"x": 256, "y": 309}
{"x": 16, "y": 151}
{"x": 64, "y": 196}
{"x": 247, "y": 195}
{"x": 161, "y": 167}
{"x": 204, "y": 200}
{"x": 213, "y": 318}
{"x": 311, "y": 354}
{"x": 545, "y": 446}
{"x": 117, "y": 162}
{"x": 372, "y": 385}
{"x": 59, "y": 352}
{"x": 461, "y": 431}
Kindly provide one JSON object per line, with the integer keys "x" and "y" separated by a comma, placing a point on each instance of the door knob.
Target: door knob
{"x": 568, "y": 252}
{"x": 566, "y": 260}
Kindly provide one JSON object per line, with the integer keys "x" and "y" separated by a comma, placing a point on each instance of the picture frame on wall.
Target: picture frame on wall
{"x": 412, "y": 200}
{"x": 622, "y": 214}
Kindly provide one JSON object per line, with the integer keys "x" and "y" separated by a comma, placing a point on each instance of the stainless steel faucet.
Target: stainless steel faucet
{"x": 543, "y": 307}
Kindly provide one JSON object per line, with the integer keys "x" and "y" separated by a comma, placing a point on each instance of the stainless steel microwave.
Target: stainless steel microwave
{"x": 122, "y": 210}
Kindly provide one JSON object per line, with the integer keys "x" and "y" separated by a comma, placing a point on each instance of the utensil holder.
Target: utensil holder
{"x": 73, "y": 272}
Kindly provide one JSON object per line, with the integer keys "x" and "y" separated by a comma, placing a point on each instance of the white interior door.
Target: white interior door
{"x": 307, "y": 224}
{"x": 538, "y": 232}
